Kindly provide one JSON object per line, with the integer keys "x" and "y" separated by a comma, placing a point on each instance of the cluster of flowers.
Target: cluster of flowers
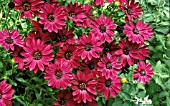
{"x": 88, "y": 64}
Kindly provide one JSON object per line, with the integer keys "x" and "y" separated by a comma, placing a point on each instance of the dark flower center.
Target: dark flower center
{"x": 135, "y": 31}
{"x": 108, "y": 65}
{"x": 102, "y": 28}
{"x": 37, "y": 55}
{"x": 129, "y": 11}
{"x": 11, "y": 5}
{"x": 42, "y": 28}
{"x": 47, "y": 1}
{"x": 62, "y": 101}
{"x": 85, "y": 104}
{"x": 51, "y": 17}
{"x": 91, "y": 65}
{"x": 142, "y": 72}
{"x": 9, "y": 40}
{"x": 26, "y": 6}
{"x": 88, "y": 47}
{"x": 126, "y": 51}
{"x": 108, "y": 83}
{"x": 82, "y": 86}
{"x": 106, "y": 50}
{"x": 63, "y": 38}
{"x": 0, "y": 95}
{"x": 68, "y": 55}
{"x": 72, "y": 15}
{"x": 58, "y": 74}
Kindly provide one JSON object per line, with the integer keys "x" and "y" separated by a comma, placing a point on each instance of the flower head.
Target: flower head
{"x": 88, "y": 47}
{"x": 28, "y": 7}
{"x": 6, "y": 93}
{"x": 69, "y": 54}
{"x": 37, "y": 54}
{"x": 131, "y": 9}
{"x": 59, "y": 75}
{"x": 138, "y": 32}
{"x": 52, "y": 17}
{"x": 109, "y": 86}
{"x": 143, "y": 73}
{"x": 64, "y": 36}
{"x": 103, "y": 28}
{"x": 83, "y": 87}
{"x": 127, "y": 52}
{"x": 8, "y": 40}
{"x": 65, "y": 98}
{"x": 109, "y": 66}
{"x": 76, "y": 12}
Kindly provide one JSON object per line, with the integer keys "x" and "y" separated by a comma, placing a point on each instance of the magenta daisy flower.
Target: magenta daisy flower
{"x": 37, "y": 35}
{"x": 103, "y": 27}
{"x": 37, "y": 54}
{"x": 69, "y": 54}
{"x": 6, "y": 93}
{"x": 83, "y": 87}
{"x": 76, "y": 12}
{"x": 59, "y": 75}
{"x": 39, "y": 27}
{"x": 8, "y": 40}
{"x": 109, "y": 47}
{"x": 90, "y": 66}
{"x": 128, "y": 52}
{"x": 131, "y": 9}
{"x": 65, "y": 36}
{"x": 109, "y": 86}
{"x": 65, "y": 98}
{"x": 88, "y": 47}
{"x": 138, "y": 32}
{"x": 52, "y": 17}
{"x": 109, "y": 66}
{"x": 28, "y": 7}
{"x": 143, "y": 73}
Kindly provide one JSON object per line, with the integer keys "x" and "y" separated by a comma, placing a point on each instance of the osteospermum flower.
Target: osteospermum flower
{"x": 131, "y": 9}
{"x": 109, "y": 86}
{"x": 6, "y": 93}
{"x": 69, "y": 54}
{"x": 28, "y": 7}
{"x": 143, "y": 73}
{"x": 88, "y": 47}
{"x": 65, "y": 36}
{"x": 59, "y": 75}
{"x": 76, "y": 12}
{"x": 103, "y": 27}
{"x": 52, "y": 17}
{"x": 37, "y": 54}
{"x": 8, "y": 40}
{"x": 37, "y": 35}
{"x": 110, "y": 47}
{"x": 65, "y": 98}
{"x": 83, "y": 87}
{"x": 138, "y": 32}
{"x": 128, "y": 52}
{"x": 109, "y": 66}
